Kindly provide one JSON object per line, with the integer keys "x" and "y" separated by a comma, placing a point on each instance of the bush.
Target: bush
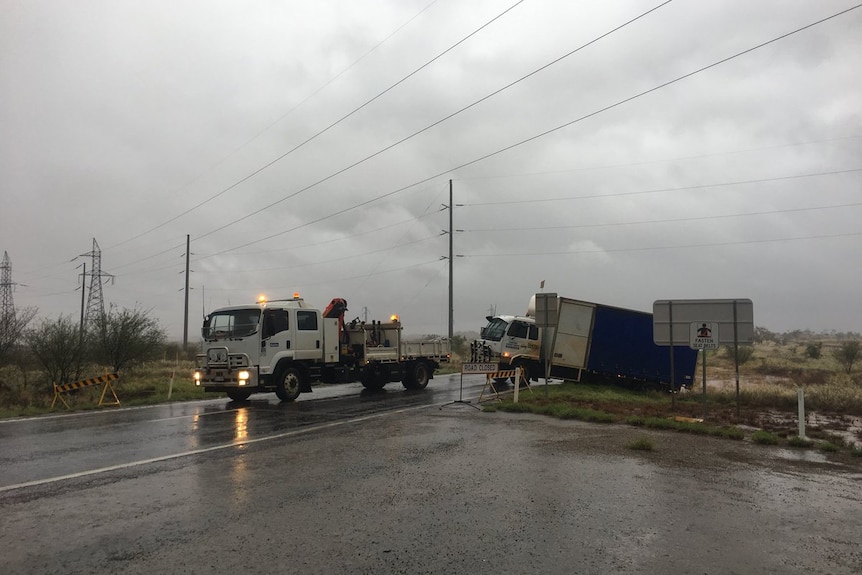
{"x": 744, "y": 353}
{"x": 848, "y": 354}
{"x": 764, "y": 438}
{"x": 642, "y": 444}
{"x": 797, "y": 441}
{"x": 814, "y": 350}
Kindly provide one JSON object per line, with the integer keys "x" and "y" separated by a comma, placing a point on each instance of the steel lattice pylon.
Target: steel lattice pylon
{"x": 95, "y": 300}
{"x": 7, "y": 306}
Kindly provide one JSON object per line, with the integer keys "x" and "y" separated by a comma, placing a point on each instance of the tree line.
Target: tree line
{"x": 65, "y": 351}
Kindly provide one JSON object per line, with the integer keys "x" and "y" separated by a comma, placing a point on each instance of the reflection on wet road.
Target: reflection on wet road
{"x": 45, "y": 449}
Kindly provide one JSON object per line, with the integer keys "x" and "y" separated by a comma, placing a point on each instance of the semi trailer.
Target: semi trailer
{"x": 586, "y": 341}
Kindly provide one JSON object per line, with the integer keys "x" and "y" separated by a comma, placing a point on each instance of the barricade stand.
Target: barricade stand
{"x": 517, "y": 373}
{"x": 105, "y": 379}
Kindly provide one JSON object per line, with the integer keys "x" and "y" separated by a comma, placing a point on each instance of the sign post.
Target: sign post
{"x": 703, "y": 335}
{"x": 546, "y": 317}
{"x": 710, "y": 323}
{"x": 471, "y": 368}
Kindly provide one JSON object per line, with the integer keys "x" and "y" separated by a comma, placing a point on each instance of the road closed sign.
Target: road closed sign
{"x": 703, "y": 335}
{"x": 479, "y": 368}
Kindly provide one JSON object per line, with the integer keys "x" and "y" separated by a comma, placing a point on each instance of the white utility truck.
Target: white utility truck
{"x": 285, "y": 345}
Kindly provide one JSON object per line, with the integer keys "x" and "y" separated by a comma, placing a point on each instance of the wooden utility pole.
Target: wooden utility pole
{"x": 451, "y": 266}
{"x": 186, "y": 308}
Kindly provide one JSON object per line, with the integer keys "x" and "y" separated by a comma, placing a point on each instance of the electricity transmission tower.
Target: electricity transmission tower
{"x": 95, "y": 301}
{"x": 7, "y": 306}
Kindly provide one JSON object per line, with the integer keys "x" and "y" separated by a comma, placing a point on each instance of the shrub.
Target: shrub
{"x": 743, "y": 353}
{"x": 732, "y": 433}
{"x": 764, "y": 438}
{"x": 642, "y": 444}
{"x": 797, "y": 441}
{"x": 848, "y": 354}
{"x": 813, "y": 350}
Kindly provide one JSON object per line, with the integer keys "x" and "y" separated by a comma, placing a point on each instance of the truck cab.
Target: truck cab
{"x": 509, "y": 341}
{"x": 244, "y": 347}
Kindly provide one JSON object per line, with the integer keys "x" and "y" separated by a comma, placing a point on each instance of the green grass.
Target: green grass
{"x": 642, "y": 444}
{"x": 609, "y": 404}
{"x": 654, "y": 410}
{"x": 797, "y": 441}
{"x": 146, "y": 385}
{"x": 765, "y": 438}
{"x": 562, "y": 403}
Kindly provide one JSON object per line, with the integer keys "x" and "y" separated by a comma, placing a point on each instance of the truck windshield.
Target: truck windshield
{"x": 230, "y": 324}
{"x": 495, "y": 329}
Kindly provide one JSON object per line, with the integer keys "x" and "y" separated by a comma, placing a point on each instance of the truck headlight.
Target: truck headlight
{"x": 243, "y": 377}
{"x": 197, "y": 377}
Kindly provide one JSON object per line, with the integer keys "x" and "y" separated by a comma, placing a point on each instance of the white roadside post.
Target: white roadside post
{"x": 800, "y": 399}
{"x": 517, "y": 383}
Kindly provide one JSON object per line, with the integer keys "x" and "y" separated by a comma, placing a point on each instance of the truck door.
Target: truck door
{"x": 522, "y": 339}
{"x": 309, "y": 337}
{"x": 276, "y": 331}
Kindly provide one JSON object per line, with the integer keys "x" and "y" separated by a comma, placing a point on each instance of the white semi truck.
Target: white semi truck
{"x": 592, "y": 341}
{"x": 285, "y": 345}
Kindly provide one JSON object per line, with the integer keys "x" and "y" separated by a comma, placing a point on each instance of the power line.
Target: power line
{"x": 414, "y": 134}
{"x": 537, "y": 136}
{"x": 326, "y": 129}
{"x": 659, "y": 161}
{"x": 663, "y": 221}
{"x": 295, "y": 247}
{"x": 342, "y": 258}
{"x": 365, "y": 275}
{"x": 266, "y": 129}
{"x": 658, "y": 248}
{"x": 438, "y": 122}
{"x": 662, "y": 190}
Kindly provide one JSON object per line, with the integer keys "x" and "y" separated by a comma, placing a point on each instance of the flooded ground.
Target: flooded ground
{"x": 819, "y": 426}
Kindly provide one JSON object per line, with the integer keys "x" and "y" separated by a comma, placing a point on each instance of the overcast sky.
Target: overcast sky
{"x": 309, "y": 146}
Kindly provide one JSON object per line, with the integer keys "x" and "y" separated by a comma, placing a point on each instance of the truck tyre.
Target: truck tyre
{"x": 238, "y": 394}
{"x": 288, "y": 384}
{"x": 375, "y": 376}
{"x": 418, "y": 376}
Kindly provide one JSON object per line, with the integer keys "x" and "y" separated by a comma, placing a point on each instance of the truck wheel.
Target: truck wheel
{"x": 288, "y": 384}
{"x": 374, "y": 377}
{"x": 238, "y": 395}
{"x": 419, "y": 375}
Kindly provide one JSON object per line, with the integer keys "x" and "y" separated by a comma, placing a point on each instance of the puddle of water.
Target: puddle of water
{"x": 806, "y": 455}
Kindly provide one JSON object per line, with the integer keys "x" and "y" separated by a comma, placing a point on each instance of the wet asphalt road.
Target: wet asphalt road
{"x": 391, "y": 483}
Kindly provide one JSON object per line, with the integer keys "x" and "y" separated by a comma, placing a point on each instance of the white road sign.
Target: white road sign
{"x": 479, "y": 368}
{"x": 703, "y": 335}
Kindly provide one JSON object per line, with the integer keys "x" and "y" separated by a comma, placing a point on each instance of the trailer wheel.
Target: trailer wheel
{"x": 288, "y": 384}
{"x": 375, "y": 376}
{"x": 238, "y": 394}
{"x": 418, "y": 377}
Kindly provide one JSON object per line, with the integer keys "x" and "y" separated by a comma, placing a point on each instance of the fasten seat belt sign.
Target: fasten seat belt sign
{"x": 703, "y": 335}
